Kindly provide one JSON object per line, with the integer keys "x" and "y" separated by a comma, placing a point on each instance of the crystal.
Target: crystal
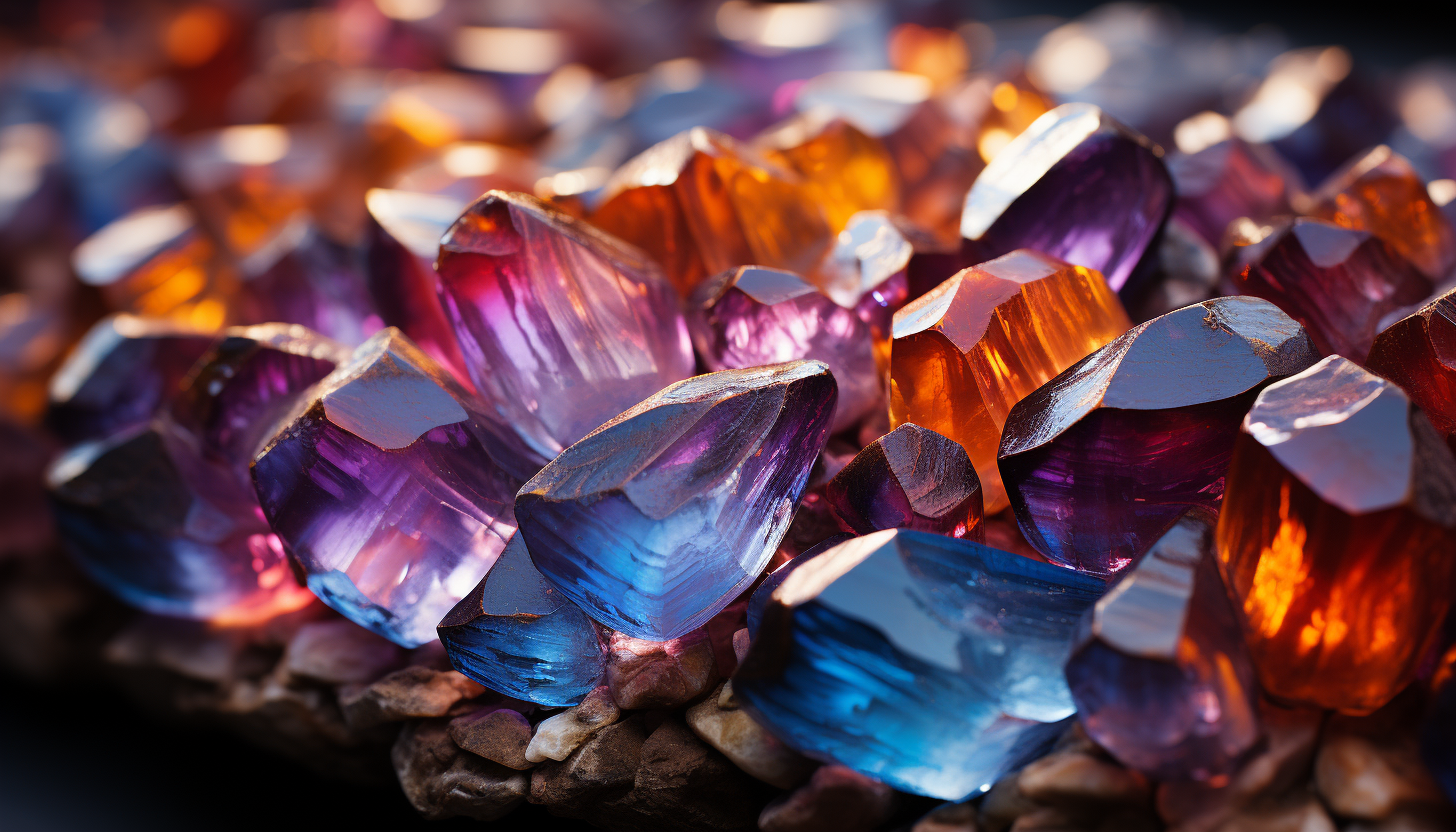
{"x": 967, "y": 351}
{"x": 1223, "y": 182}
{"x": 1160, "y": 674}
{"x": 517, "y": 635}
{"x": 1101, "y": 460}
{"x": 930, "y": 663}
{"x": 391, "y": 489}
{"x": 120, "y": 374}
{"x": 867, "y": 265}
{"x": 1076, "y": 185}
{"x": 910, "y": 478}
{"x": 758, "y": 599}
{"x": 562, "y": 327}
{"x": 1338, "y": 282}
{"x": 658, "y": 519}
{"x": 1380, "y": 192}
{"x": 298, "y": 276}
{"x": 1183, "y": 269}
{"x": 751, "y": 316}
{"x": 1418, "y": 352}
{"x": 702, "y": 203}
{"x": 845, "y": 171}
{"x": 1337, "y": 514}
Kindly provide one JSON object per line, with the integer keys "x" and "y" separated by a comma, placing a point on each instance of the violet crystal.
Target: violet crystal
{"x": 910, "y": 478}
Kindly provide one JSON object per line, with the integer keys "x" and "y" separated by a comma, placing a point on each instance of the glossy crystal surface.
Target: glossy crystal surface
{"x": 562, "y": 327}
{"x": 1418, "y": 352}
{"x": 658, "y": 519}
{"x": 967, "y": 351}
{"x": 1223, "y": 182}
{"x": 1101, "y": 460}
{"x": 844, "y": 170}
{"x": 930, "y": 663}
{"x": 299, "y": 276}
{"x": 910, "y": 478}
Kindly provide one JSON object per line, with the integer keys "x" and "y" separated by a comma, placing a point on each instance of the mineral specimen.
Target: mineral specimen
{"x": 1418, "y": 352}
{"x": 1223, "y": 182}
{"x": 562, "y": 327}
{"x": 967, "y": 351}
{"x": 1076, "y": 185}
{"x": 1340, "y": 500}
{"x": 659, "y": 518}
{"x": 1101, "y": 460}
{"x": 844, "y": 170}
{"x": 1160, "y": 675}
{"x": 910, "y": 478}
{"x": 299, "y": 276}
{"x": 901, "y": 647}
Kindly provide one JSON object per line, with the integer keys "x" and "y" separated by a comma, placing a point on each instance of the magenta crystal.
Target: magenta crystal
{"x": 1102, "y": 459}
{"x": 910, "y": 478}
{"x": 1223, "y": 182}
{"x": 562, "y": 327}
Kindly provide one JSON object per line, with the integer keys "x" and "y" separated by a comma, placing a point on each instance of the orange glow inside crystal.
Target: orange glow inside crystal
{"x": 183, "y": 283}
{"x": 844, "y": 170}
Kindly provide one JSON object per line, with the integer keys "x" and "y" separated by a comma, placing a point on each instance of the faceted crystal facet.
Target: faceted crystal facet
{"x": 658, "y": 519}
{"x": 1418, "y": 352}
{"x": 1223, "y": 182}
{"x": 753, "y": 316}
{"x": 1381, "y": 193}
{"x": 1101, "y": 460}
{"x": 1339, "y": 283}
{"x": 1161, "y": 676}
{"x": 562, "y": 327}
{"x": 910, "y": 478}
{"x": 701, "y": 203}
{"x": 930, "y": 663}
{"x": 390, "y": 489}
{"x": 300, "y": 277}
{"x": 1076, "y": 185}
{"x": 967, "y": 351}
{"x": 120, "y": 374}
{"x": 845, "y": 171}
{"x": 517, "y": 635}
{"x": 1339, "y": 514}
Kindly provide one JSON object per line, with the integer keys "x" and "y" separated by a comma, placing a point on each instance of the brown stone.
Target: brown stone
{"x": 339, "y": 651}
{"x": 1369, "y": 768}
{"x": 410, "y": 692}
{"x": 836, "y": 799}
{"x": 602, "y": 769}
{"x": 442, "y": 782}
{"x": 1073, "y": 779}
{"x": 718, "y": 721}
{"x": 1303, "y": 815}
{"x": 948, "y": 817}
{"x": 660, "y": 674}
{"x": 500, "y": 736}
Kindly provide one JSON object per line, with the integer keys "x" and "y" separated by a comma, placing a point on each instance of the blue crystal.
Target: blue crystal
{"x": 659, "y": 518}
{"x": 517, "y": 635}
{"x": 930, "y": 663}
{"x": 759, "y": 599}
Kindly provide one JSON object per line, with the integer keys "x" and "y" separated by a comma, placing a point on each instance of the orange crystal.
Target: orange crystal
{"x": 844, "y": 169}
{"x": 978, "y": 343}
{"x": 702, "y": 203}
{"x": 1381, "y": 193}
{"x": 1336, "y": 535}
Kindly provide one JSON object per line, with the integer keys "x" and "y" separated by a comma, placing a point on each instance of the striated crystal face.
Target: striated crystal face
{"x": 658, "y": 519}
{"x": 1339, "y": 283}
{"x": 1223, "y": 182}
{"x": 930, "y": 663}
{"x": 515, "y": 634}
{"x": 1338, "y": 516}
{"x": 1160, "y": 673}
{"x": 299, "y": 276}
{"x": 844, "y": 170}
{"x": 753, "y": 316}
{"x": 910, "y": 478}
{"x": 967, "y": 351}
{"x": 1418, "y": 352}
{"x": 1381, "y": 193}
{"x": 701, "y": 203}
{"x": 1076, "y": 185}
{"x": 391, "y": 489}
{"x": 120, "y": 374}
{"x": 562, "y": 327}
{"x": 1101, "y": 460}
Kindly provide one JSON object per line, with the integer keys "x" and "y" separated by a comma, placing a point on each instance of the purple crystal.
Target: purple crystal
{"x": 1102, "y": 459}
{"x": 1223, "y": 182}
{"x": 661, "y": 517}
{"x": 1160, "y": 675}
{"x": 298, "y": 276}
{"x": 562, "y": 327}
{"x": 910, "y": 478}
{"x": 391, "y": 489}
{"x": 1076, "y": 185}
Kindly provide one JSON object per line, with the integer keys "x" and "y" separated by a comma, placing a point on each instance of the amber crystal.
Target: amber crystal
{"x": 844, "y": 169}
{"x": 1418, "y": 352}
{"x": 702, "y": 203}
{"x": 1381, "y": 193}
{"x": 1335, "y": 535}
{"x": 973, "y": 347}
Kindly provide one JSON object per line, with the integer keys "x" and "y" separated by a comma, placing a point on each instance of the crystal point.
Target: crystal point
{"x": 910, "y": 478}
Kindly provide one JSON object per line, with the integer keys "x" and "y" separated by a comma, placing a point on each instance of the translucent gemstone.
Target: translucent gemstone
{"x": 1223, "y": 182}
{"x": 1339, "y": 509}
{"x": 168, "y": 531}
{"x": 758, "y": 599}
{"x": 391, "y": 489}
{"x": 1182, "y": 269}
{"x": 1418, "y": 352}
{"x": 658, "y": 519}
{"x": 751, "y": 316}
{"x": 930, "y": 663}
{"x": 967, "y": 351}
{"x": 1339, "y": 283}
{"x": 561, "y": 326}
{"x": 402, "y": 240}
{"x": 910, "y": 478}
{"x": 1160, "y": 674}
{"x": 701, "y": 203}
{"x": 120, "y": 374}
{"x": 298, "y": 276}
{"x": 1101, "y": 460}
{"x": 1380, "y": 192}
{"x": 517, "y": 635}
{"x": 844, "y": 170}
{"x": 1076, "y": 185}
